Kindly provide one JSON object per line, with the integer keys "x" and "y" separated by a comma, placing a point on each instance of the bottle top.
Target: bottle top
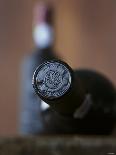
{"x": 43, "y": 33}
{"x": 52, "y": 79}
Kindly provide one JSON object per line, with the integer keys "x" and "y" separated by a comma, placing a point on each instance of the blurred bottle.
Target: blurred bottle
{"x": 43, "y": 37}
{"x": 81, "y": 101}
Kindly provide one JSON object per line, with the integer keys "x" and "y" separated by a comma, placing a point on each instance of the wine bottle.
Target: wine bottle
{"x": 43, "y": 37}
{"x": 80, "y": 101}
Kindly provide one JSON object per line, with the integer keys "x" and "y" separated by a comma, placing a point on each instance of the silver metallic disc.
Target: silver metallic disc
{"x": 52, "y": 79}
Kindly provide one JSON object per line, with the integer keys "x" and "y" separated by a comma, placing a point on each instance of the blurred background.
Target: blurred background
{"x": 85, "y": 33}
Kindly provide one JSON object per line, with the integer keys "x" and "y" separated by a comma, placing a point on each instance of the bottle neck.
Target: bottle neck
{"x": 45, "y": 54}
{"x": 55, "y": 83}
{"x": 46, "y": 49}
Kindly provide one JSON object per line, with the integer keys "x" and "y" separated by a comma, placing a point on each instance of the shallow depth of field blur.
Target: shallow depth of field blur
{"x": 85, "y": 33}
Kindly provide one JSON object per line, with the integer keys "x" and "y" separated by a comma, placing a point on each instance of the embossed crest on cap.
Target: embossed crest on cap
{"x": 51, "y": 79}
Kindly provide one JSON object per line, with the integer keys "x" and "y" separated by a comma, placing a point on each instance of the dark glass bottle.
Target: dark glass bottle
{"x": 80, "y": 101}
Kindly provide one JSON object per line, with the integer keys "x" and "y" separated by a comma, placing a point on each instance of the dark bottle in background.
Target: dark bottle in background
{"x": 43, "y": 37}
{"x": 80, "y": 101}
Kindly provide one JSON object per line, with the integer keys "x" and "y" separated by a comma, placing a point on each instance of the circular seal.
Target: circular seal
{"x": 52, "y": 79}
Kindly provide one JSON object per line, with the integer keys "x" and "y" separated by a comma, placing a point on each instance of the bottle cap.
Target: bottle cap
{"x": 52, "y": 79}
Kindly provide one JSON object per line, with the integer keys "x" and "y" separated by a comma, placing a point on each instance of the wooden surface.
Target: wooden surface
{"x": 58, "y": 145}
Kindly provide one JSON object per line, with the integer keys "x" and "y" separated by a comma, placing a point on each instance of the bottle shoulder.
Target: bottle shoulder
{"x": 95, "y": 79}
{"x": 102, "y": 90}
